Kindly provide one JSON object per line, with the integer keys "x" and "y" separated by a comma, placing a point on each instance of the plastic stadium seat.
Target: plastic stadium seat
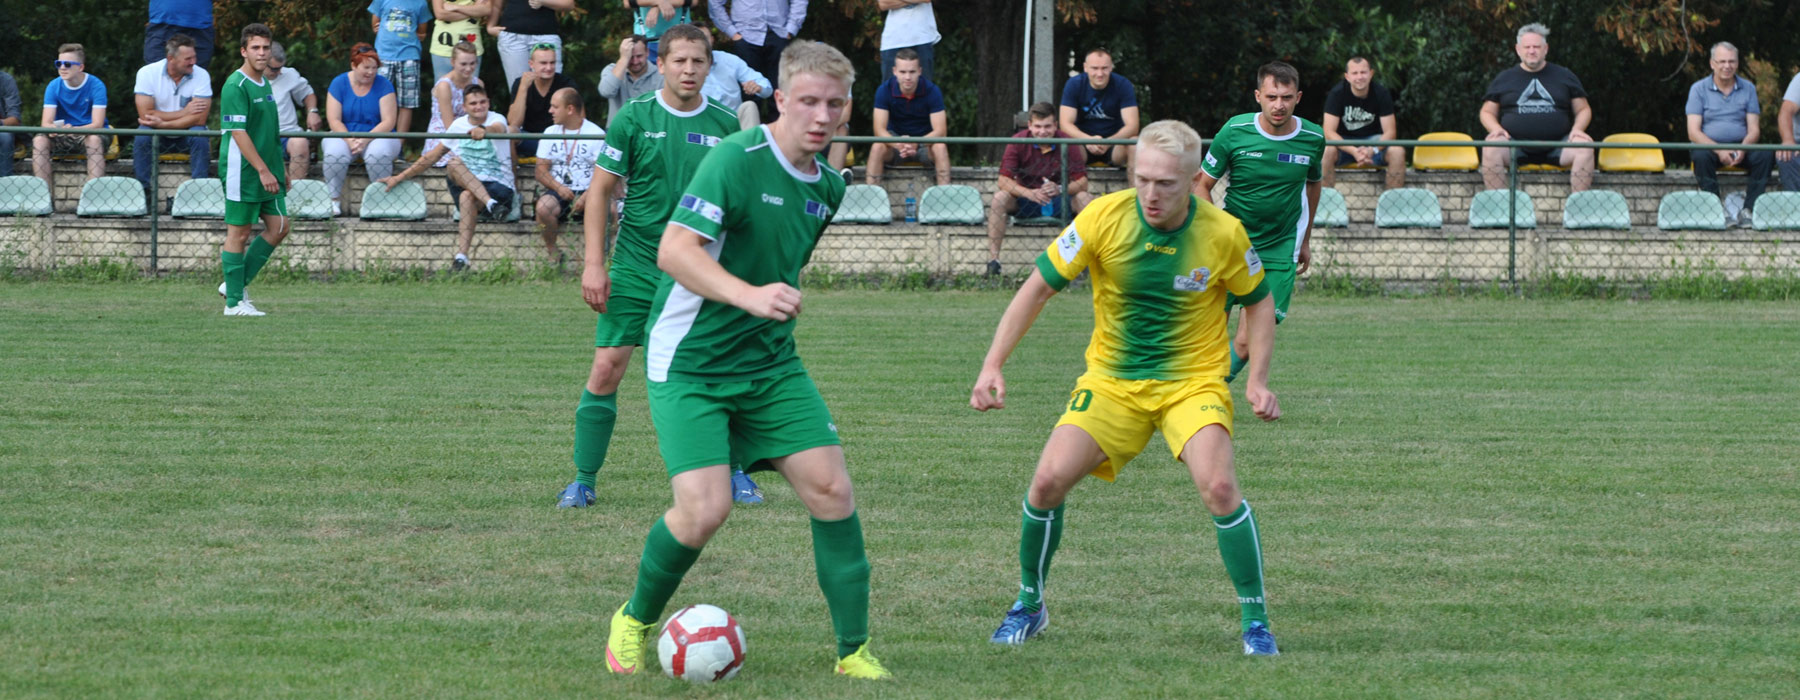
{"x": 1604, "y": 209}
{"x": 1408, "y": 207}
{"x": 405, "y": 203}
{"x": 1631, "y": 160}
{"x": 951, "y": 204}
{"x": 112, "y": 196}
{"x": 309, "y": 199}
{"x": 1542, "y": 168}
{"x": 24, "y": 195}
{"x": 1690, "y": 209}
{"x": 512, "y": 216}
{"x": 172, "y": 157}
{"x": 1776, "y": 211}
{"x": 1037, "y": 221}
{"x": 864, "y": 204}
{"x": 199, "y": 199}
{"x": 1332, "y": 212}
{"x": 1488, "y": 210}
{"x": 1446, "y": 157}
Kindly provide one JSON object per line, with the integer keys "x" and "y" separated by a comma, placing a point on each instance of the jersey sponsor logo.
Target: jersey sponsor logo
{"x": 772, "y": 199}
{"x": 1535, "y": 99}
{"x": 1195, "y": 281}
{"x": 1247, "y": 600}
{"x": 612, "y": 152}
{"x": 702, "y": 139}
{"x": 656, "y": 134}
{"x": 818, "y": 209}
{"x": 1164, "y": 249}
{"x": 235, "y": 118}
{"x": 1068, "y": 245}
{"x": 1250, "y": 154}
{"x": 711, "y": 211}
{"x": 1252, "y": 261}
{"x": 1293, "y": 158}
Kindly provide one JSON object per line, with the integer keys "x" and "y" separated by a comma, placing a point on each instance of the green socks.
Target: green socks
{"x": 1039, "y": 534}
{"x": 843, "y": 569}
{"x": 255, "y": 257}
{"x": 1237, "y": 365}
{"x": 1242, "y": 552}
{"x": 594, "y": 418}
{"x": 233, "y": 266}
{"x": 665, "y": 561}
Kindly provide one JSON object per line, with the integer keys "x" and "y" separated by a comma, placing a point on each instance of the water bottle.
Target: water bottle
{"x": 912, "y": 202}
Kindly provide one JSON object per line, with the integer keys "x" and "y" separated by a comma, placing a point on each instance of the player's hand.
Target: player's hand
{"x": 1303, "y": 260}
{"x": 269, "y": 183}
{"x": 596, "y": 287}
{"x": 1263, "y": 402}
{"x": 776, "y": 301}
{"x": 989, "y": 391}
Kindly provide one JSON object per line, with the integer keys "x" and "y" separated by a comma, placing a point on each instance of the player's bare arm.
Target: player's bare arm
{"x": 596, "y": 283}
{"x": 683, "y": 256}
{"x": 1259, "y": 322}
{"x": 1203, "y": 187}
{"x": 990, "y": 386}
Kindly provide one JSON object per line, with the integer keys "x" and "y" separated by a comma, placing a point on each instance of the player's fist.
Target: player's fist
{"x": 269, "y": 183}
{"x": 596, "y": 286}
{"x": 1263, "y": 402}
{"x": 989, "y": 391}
{"x": 776, "y": 301}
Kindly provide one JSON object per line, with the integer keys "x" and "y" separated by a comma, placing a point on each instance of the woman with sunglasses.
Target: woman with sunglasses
{"x": 360, "y": 101}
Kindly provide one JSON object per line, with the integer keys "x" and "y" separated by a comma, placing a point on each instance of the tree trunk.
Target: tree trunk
{"x": 998, "y": 33}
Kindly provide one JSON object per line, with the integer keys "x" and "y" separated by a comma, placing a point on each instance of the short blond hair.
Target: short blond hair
{"x": 1174, "y": 138}
{"x": 818, "y": 59}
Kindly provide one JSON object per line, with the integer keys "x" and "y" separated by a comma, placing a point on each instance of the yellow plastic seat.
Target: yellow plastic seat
{"x": 1631, "y": 160}
{"x": 1543, "y": 168}
{"x": 1446, "y": 157}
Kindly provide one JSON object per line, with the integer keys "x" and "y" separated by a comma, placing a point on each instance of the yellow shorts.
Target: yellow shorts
{"x": 1120, "y": 413}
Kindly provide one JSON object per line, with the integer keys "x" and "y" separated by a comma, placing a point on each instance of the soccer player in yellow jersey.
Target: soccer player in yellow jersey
{"x": 1160, "y": 262}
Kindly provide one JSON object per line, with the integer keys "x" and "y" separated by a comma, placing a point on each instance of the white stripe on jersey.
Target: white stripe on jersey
{"x": 678, "y": 314}
{"x": 234, "y": 168}
{"x": 1300, "y": 226}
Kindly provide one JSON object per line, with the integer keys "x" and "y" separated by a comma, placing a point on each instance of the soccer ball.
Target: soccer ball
{"x": 701, "y": 643}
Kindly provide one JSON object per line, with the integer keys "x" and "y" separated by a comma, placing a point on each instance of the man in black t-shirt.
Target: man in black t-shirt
{"x": 1536, "y": 101}
{"x": 1360, "y": 109}
{"x": 530, "y": 111}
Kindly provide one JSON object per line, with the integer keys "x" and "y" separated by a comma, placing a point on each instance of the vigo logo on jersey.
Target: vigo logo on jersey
{"x": 1195, "y": 281}
{"x": 1068, "y": 245}
{"x": 1164, "y": 249}
{"x": 656, "y": 134}
{"x": 1250, "y": 154}
{"x": 771, "y": 199}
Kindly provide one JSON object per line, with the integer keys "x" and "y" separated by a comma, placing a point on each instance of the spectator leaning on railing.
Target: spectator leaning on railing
{"x": 173, "y": 93}
{"x": 75, "y": 99}
{"x": 906, "y": 104}
{"x": 397, "y": 25}
{"x": 530, "y": 110}
{"x": 1360, "y": 109}
{"x": 565, "y": 167}
{"x": 359, "y": 101}
{"x": 1723, "y": 110}
{"x": 1030, "y": 182}
{"x": 1099, "y": 104}
{"x": 481, "y": 174}
{"x": 447, "y": 95}
{"x": 457, "y": 21}
{"x": 1789, "y": 123}
{"x": 11, "y": 110}
{"x": 1536, "y": 101}
{"x": 290, "y": 89}
{"x": 628, "y": 77}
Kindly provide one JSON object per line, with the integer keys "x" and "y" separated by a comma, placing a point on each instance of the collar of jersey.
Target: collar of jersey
{"x": 1257, "y": 120}
{"x": 775, "y": 150}
{"x": 1193, "y": 208}
{"x": 672, "y": 110}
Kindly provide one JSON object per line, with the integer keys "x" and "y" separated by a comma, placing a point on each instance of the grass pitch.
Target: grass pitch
{"x": 353, "y": 498}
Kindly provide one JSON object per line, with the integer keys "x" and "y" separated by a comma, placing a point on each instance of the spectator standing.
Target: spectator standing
{"x": 1723, "y": 110}
{"x": 628, "y": 77}
{"x": 456, "y": 21}
{"x": 170, "y": 17}
{"x": 397, "y": 25}
{"x": 172, "y": 93}
{"x": 447, "y": 96}
{"x": 650, "y": 18}
{"x": 910, "y": 24}
{"x": 74, "y": 99}
{"x": 1536, "y": 101}
{"x": 906, "y": 104}
{"x": 290, "y": 89}
{"x": 359, "y": 101}
{"x": 522, "y": 26}
{"x": 12, "y": 110}
{"x": 481, "y": 174}
{"x": 1788, "y": 123}
{"x": 1031, "y": 180}
{"x": 530, "y": 111}
{"x": 1360, "y": 109}
{"x": 759, "y": 29}
{"x": 1099, "y": 104}
{"x": 565, "y": 166}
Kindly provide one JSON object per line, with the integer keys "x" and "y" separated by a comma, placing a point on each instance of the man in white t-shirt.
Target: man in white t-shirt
{"x": 173, "y": 93}
{"x": 290, "y": 89}
{"x": 481, "y": 174}
{"x": 910, "y": 24}
{"x": 565, "y": 166}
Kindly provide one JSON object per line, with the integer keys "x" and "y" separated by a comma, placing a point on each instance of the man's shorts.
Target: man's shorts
{"x": 1281, "y": 286}
{"x": 247, "y": 213}
{"x": 405, "y": 77}
{"x": 627, "y": 306}
{"x": 73, "y": 144}
{"x": 1540, "y": 156}
{"x": 565, "y": 207}
{"x": 1345, "y": 158}
{"x": 746, "y": 423}
{"x": 1027, "y": 209}
{"x": 499, "y": 192}
{"x": 1121, "y": 413}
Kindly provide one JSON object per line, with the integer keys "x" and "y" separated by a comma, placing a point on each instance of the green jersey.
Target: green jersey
{"x": 248, "y": 105}
{"x": 762, "y": 217}
{"x": 657, "y": 149}
{"x": 1269, "y": 175}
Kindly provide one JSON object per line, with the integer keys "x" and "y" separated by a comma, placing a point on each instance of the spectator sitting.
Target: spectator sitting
{"x": 397, "y": 25}
{"x": 1030, "y": 180}
{"x": 731, "y": 80}
{"x": 11, "y": 110}
{"x": 172, "y": 93}
{"x": 522, "y": 26}
{"x": 359, "y": 101}
{"x": 650, "y": 18}
{"x": 481, "y": 174}
{"x": 289, "y": 88}
{"x": 565, "y": 167}
{"x": 447, "y": 95}
{"x": 1723, "y": 110}
{"x": 1536, "y": 101}
{"x": 455, "y": 22}
{"x": 908, "y": 105}
{"x": 909, "y": 24}
{"x": 74, "y": 99}
{"x": 1360, "y": 109}
{"x": 629, "y": 76}
{"x": 530, "y": 110}
{"x": 1788, "y": 123}
{"x": 1100, "y": 105}
{"x": 193, "y": 18}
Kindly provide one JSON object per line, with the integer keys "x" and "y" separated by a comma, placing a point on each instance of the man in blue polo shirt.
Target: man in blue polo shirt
{"x": 909, "y": 105}
{"x": 1099, "y": 104}
{"x": 193, "y": 18}
{"x": 1723, "y": 110}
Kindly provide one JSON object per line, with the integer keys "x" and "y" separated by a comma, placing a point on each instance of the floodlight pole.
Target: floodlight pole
{"x": 1040, "y": 51}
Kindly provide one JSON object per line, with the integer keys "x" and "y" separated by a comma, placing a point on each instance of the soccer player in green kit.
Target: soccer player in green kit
{"x": 253, "y": 190}
{"x": 656, "y": 144}
{"x": 725, "y": 380}
{"x": 1274, "y": 159}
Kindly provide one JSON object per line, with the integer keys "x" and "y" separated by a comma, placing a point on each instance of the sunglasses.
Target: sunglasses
{"x": 67, "y": 64}
{"x": 544, "y": 45}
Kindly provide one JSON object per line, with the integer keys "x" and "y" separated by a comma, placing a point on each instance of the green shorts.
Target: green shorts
{"x": 743, "y": 423}
{"x": 247, "y": 213}
{"x": 1281, "y": 286}
{"x": 627, "y": 307}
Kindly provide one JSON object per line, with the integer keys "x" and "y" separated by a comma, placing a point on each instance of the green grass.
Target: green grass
{"x": 352, "y": 497}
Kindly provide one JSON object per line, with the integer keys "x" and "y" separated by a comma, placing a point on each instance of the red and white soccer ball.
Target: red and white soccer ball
{"x": 701, "y": 643}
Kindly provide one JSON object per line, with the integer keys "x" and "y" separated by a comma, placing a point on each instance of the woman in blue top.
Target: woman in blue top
{"x": 360, "y": 101}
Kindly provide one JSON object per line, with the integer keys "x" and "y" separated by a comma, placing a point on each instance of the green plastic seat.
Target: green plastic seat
{"x": 1332, "y": 211}
{"x": 1488, "y": 210}
{"x": 199, "y": 199}
{"x": 406, "y": 202}
{"x": 112, "y": 196}
{"x": 24, "y": 195}
{"x": 1690, "y": 210}
{"x": 512, "y": 215}
{"x": 1597, "y": 209}
{"x": 1776, "y": 211}
{"x": 1408, "y": 207}
{"x": 951, "y": 204}
{"x": 864, "y": 204}
{"x": 309, "y": 199}
{"x": 1037, "y": 221}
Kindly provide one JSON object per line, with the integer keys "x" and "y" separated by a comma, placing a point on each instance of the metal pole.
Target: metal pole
{"x": 1025, "y": 54}
{"x": 155, "y": 213}
{"x": 1068, "y": 196}
{"x": 1512, "y": 222}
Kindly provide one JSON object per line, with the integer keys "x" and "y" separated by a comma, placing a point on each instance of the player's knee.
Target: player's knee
{"x": 703, "y": 517}
{"x": 608, "y": 371}
{"x": 1221, "y": 494}
{"x": 834, "y": 493}
{"x": 1047, "y": 491}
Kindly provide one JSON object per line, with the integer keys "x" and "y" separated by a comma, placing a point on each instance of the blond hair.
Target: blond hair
{"x": 1176, "y": 139}
{"x": 818, "y": 59}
